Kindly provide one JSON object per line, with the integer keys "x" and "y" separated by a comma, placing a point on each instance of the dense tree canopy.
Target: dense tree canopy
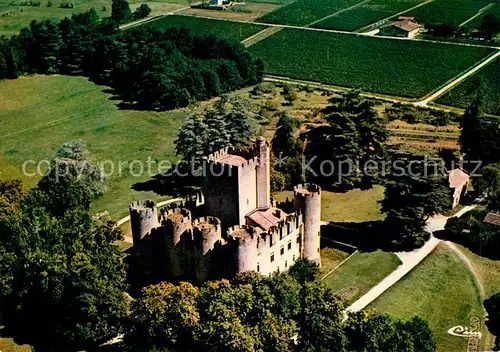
{"x": 149, "y": 68}
{"x": 62, "y": 277}
{"x": 492, "y": 306}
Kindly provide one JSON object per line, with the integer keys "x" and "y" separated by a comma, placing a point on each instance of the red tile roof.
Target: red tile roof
{"x": 492, "y": 219}
{"x": 405, "y": 25}
{"x": 266, "y": 219}
{"x": 231, "y": 159}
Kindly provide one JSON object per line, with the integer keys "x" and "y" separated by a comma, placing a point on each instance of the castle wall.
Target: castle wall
{"x": 247, "y": 190}
{"x": 143, "y": 219}
{"x": 221, "y": 193}
{"x": 263, "y": 174}
{"x": 207, "y": 235}
{"x": 179, "y": 238}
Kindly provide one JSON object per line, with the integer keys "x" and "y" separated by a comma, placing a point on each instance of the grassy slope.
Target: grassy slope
{"x": 352, "y": 206}
{"x": 303, "y": 12}
{"x": 366, "y": 14}
{"x": 31, "y": 116}
{"x": 370, "y": 64}
{"x": 442, "y": 291}
{"x": 448, "y": 11}
{"x": 363, "y": 271}
{"x": 203, "y": 26}
{"x": 485, "y": 83}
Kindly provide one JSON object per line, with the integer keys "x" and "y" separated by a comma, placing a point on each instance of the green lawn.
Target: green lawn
{"x": 448, "y": 11}
{"x": 485, "y": 84}
{"x": 366, "y": 14}
{"x": 39, "y": 113}
{"x": 395, "y": 67}
{"x": 304, "y": 12}
{"x": 362, "y": 271}
{"x": 203, "y": 26}
{"x": 352, "y": 206}
{"x": 330, "y": 258}
{"x": 440, "y": 290}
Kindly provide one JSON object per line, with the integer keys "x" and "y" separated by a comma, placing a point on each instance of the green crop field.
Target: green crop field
{"x": 476, "y": 22}
{"x": 203, "y": 26}
{"x": 395, "y": 67}
{"x": 304, "y": 12}
{"x": 484, "y": 84}
{"x": 440, "y": 290}
{"x": 366, "y": 14}
{"x": 448, "y": 11}
{"x": 39, "y": 113}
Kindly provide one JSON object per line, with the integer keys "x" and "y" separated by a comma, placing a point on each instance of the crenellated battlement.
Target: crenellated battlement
{"x": 243, "y": 233}
{"x": 307, "y": 189}
{"x": 217, "y": 154}
{"x": 178, "y": 215}
{"x": 143, "y": 207}
{"x": 207, "y": 223}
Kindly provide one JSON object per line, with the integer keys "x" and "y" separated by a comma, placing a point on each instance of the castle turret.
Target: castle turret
{"x": 244, "y": 240}
{"x": 207, "y": 234}
{"x": 307, "y": 198}
{"x": 179, "y": 239}
{"x": 263, "y": 174}
{"x": 143, "y": 219}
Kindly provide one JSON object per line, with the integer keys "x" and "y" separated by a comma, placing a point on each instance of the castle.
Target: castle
{"x": 233, "y": 226}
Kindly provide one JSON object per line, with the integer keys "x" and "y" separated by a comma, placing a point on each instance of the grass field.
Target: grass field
{"x": 440, "y": 290}
{"x": 485, "y": 84}
{"x": 39, "y": 113}
{"x": 352, "y": 206}
{"x": 476, "y": 22}
{"x": 362, "y": 271}
{"x": 203, "y": 26}
{"x": 448, "y": 11}
{"x": 14, "y": 17}
{"x": 488, "y": 271}
{"x": 366, "y": 14}
{"x": 371, "y": 64}
{"x": 330, "y": 258}
{"x": 304, "y": 12}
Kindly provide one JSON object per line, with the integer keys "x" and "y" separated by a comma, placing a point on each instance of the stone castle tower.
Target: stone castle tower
{"x": 242, "y": 230}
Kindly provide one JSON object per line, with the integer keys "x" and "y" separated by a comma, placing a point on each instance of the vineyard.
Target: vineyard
{"x": 484, "y": 84}
{"x": 202, "y": 26}
{"x": 476, "y": 22}
{"x": 448, "y": 11}
{"x": 304, "y": 12}
{"x": 394, "y": 67}
{"x": 366, "y": 14}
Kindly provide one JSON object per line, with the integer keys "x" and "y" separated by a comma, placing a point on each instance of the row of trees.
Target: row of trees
{"x": 146, "y": 67}
{"x": 253, "y": 313}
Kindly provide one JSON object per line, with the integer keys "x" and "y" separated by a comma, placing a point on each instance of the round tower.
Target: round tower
{"x": 179, "y": 237}
{"x": 244, "y": 239}
{"x": 207, "y": 233}
{"x": 307, "y": 198}
{"x": 143, "y": 219}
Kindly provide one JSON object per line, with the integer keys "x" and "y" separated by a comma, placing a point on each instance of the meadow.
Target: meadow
{"x": 39, "y": 113}
{"x": 366, "y": 14}
{"x": 484, "y": 84}
{"x": 202, "y": 26}
{"x": 14, "y": 16}
{"x": 448, "y": 11}
{"x": 440, "y": 290}
{"x": 304, "y": 12}
{"x": 371, "y": 64}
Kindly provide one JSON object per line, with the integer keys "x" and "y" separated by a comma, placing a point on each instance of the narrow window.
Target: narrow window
{"x": 289, "y": 245}
{"x": 258, "y": 268}
{"x": 282, "y": 250}
{"x": 272, "y": 258}
{"x": 294, "y": 257}
{"x": 286, "y": 264}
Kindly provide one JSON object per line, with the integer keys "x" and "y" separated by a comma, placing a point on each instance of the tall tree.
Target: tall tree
{"x": 120, "y": 11}
{"x": 284, "y": 142}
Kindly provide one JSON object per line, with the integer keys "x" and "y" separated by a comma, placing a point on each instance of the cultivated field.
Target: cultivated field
{"x": 202, "y": 26}
{"x": 476, "y": 22}
{"x": 304, "y": 12}
{"x": 366, "y": 14}
{"x": 440, "y": 290}
{"x": 485, "y": 84}
{"x": 448, "y": 11}
{"x": 395, "y": 67}
{"x": 39, "y": 113}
